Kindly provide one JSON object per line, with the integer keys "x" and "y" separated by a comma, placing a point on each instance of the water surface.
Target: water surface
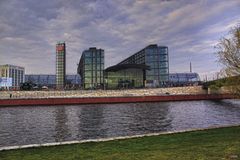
{"x": 41, "y": 124}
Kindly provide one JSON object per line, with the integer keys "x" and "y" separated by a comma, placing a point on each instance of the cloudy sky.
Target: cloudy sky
{"x": 30, "y": 29}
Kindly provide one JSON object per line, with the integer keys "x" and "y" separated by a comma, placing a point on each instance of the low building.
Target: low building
{"x": 5, "y": 83}
{"x": 49, "y": 80}
{"x": 181, "y": 79}
{"x": 90, "y": 68}
{"x": 11, "y": 76}
{"x": 125, "y": 76}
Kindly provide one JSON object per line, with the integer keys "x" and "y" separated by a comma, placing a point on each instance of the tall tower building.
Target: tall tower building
{"x": 60, "y": 65}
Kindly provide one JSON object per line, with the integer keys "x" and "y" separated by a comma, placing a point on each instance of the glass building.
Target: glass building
{"x": 90, "y": 68}
{"x": 180, "y": 79}
{"x": 50, "y": 80}
{"x": 125, "y": 76}
{"x": 60, "y": 65}
{"x": 14, "y": 73}
{"x": 156, "y": 57}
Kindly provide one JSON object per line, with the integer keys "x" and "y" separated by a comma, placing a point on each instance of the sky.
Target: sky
{"x": 30, "y": 29}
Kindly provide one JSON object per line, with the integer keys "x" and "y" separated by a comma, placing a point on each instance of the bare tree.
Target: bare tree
{"x": 228, "y": 52}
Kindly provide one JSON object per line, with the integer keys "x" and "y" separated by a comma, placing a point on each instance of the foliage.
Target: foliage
{"x": 216, "y": 85}
{"x": 229, "y": 55}
{"x": 27, "y": 86}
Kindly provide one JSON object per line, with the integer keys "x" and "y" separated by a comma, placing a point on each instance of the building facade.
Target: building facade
{"x": 125, "y": 76}
{"x": 13, "y": 75}
{"x": 60, "y": 65}
{"x": 156, "y": 57}
{"x": 50, "y": 80}
{"x": 91, "y": 67}
{"x": 182, "y": 79}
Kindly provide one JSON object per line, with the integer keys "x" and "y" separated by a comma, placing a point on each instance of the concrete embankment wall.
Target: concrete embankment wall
{"x": 95, "y": 100}
{"x": 102, "y": 93}
{"x": 223, "y": 90}
{"x": 106, "y": 96}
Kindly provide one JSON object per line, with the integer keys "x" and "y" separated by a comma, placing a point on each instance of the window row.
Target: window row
{"x": 93, "y": 55}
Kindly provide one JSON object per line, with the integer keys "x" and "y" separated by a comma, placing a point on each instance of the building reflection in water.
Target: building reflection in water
{"x": 150, "y": 118}
{"x": 45, "y": 124}
{"x": 127, "y": 119}
{"x": 91, "y": 122}
{"x": 61, "y": 126}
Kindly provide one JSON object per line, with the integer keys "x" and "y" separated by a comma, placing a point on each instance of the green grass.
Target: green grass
{"x": 213, "y": 144}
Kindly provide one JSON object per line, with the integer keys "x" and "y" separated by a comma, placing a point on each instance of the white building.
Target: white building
{"x": 11, "y": 73}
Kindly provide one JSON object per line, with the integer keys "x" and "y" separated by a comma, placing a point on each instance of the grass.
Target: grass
{"x": 213, "y": 144}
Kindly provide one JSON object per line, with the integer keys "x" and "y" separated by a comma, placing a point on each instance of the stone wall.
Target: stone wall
{"x": 103, "y": 93}
{"x": 222, "y": 90}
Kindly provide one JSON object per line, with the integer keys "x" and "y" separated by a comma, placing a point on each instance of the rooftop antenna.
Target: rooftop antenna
{"x": 190, "y": 67}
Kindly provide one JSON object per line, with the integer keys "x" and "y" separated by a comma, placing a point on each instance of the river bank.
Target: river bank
{"x": 122, "y": 99}
{"x": 220, "y": 143}
{"x": 102, "y": 93}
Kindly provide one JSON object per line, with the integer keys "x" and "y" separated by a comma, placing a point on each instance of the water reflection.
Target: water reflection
{"x": 38, "y": 124}
{"x": 61, "y": 128}
{"x": 150, "y": 117}
{"x": 90, "y": 122}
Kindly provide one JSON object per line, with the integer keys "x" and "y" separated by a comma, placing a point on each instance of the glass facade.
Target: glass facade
{"x": 60, "y": 65}
{"x": 50, "y": 80}
{"x": 176, "y": 79}
{"x": 91, "y": 68}
{"x": 156, "y": 57}
{"x": 125, "y": 78}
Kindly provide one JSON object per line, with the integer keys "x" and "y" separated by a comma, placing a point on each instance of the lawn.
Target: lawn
{"x": 213, "y": 144}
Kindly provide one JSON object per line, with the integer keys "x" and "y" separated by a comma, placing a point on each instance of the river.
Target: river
{"x": 23, "y": 125}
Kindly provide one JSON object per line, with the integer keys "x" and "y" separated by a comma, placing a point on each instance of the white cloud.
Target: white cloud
{"x": 29, "y": 31}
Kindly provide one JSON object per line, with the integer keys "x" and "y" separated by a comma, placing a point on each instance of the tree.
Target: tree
{"x": 229, "y": 55}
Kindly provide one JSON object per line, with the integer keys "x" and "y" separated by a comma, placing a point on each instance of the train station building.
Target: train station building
{"x": 147, "y": 68}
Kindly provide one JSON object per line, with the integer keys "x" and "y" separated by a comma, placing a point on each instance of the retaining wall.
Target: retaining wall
{"x": 94, "y": 100}
{"x": 102, "y": 93}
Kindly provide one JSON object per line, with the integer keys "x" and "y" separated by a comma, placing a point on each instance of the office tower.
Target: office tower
{"x": 60, "y": 65}
{"x": 90, "y": 68}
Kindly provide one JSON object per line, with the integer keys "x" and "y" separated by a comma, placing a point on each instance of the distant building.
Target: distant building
{"x": 60, "y": 65}
{"x": 50, "y": 80}
{"x": 178, "y": 79}
{"x": 11, "y": 76}
{"x": 90, "y": 68}
{"x": 156, "y": 57}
